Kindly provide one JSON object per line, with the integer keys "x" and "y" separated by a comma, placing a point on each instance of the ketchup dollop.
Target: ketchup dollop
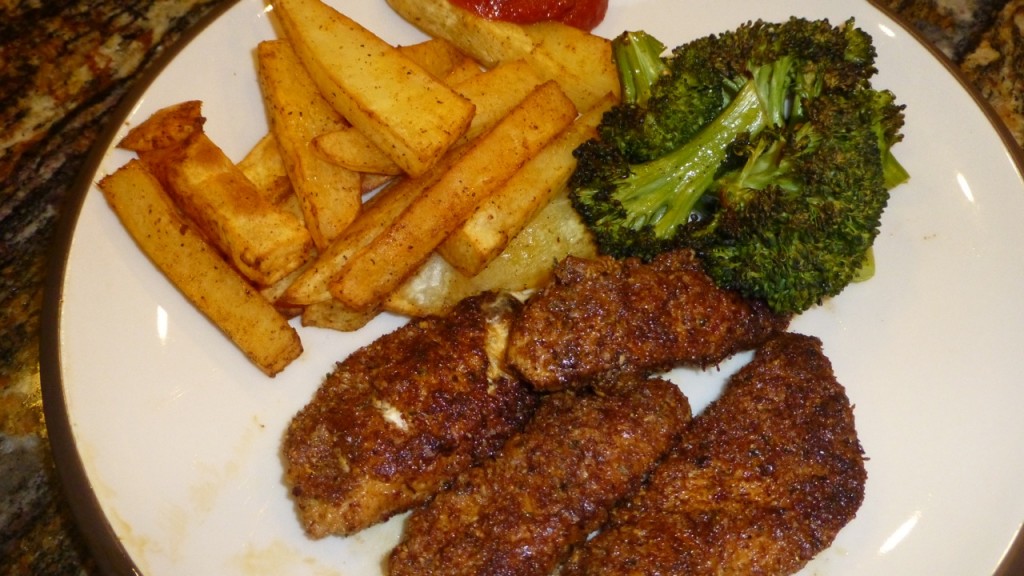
{"x": 583, "y": 14}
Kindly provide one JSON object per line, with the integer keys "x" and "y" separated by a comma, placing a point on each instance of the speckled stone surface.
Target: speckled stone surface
{"x": 65, "y": 64}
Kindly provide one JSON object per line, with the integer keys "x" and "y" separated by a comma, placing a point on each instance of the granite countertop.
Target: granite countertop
{"x": 65, "y": 65}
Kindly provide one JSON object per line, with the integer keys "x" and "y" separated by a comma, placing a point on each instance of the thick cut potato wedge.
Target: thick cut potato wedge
{"x": 437, "y": 56}
{"x": 493, "y": 93}
{"x": 525, "y": 264}
{"x": 167, "y": 128}
{"x": 195, "y": 268}
{"x": 336, "y": 316}
{"x": 410, "y": 115}
{"x": 486, "y": 41}
{"x": 579, "y": 61}
{"x": 264, "y": 167}
{"x": 380, "y": 212}
{"x": 330, "y": 195}
{"x": 351, "y": 148}
{"x": 396, "y": 254}
{"x": 501, "y": 216}
{"x": 265, "y": 242}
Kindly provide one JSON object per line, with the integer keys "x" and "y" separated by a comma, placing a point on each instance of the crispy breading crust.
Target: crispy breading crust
{"x": 762, "y": 481}
{"x": 551, "y": 485}
{"x": 400, "y": 418}
{"x": 602, "y": 314}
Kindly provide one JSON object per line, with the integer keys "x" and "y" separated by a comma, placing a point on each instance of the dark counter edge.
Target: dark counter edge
{"x": 99, "y": 535}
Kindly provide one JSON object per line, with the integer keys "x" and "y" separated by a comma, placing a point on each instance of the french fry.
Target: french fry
{"x": 525, "y": 264}
{"x": 397, "y": 252}
{"x": 437, "y": 56}
{"x": 330, "y": 195}
{"x": 579, "y": 61}
{"x": 489, "y": 42}
{"x": 504, "y": 213}
{"x": 411, "y": 116}
{"x": 379, "y": 213}
{"x": 336, "y": 316}
{"x": 202, "y": 275}
{"x": 351, "y": 148}
{"x": 493, "y": 93}
{"x": 264, "y": 167}
{"x": 265, "y": 242}
{"x": 496, "y": 92}
{"x": 166, "y": 128}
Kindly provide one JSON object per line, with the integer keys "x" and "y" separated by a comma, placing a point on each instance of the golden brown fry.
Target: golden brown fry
{"x": 525, "y": 264}
{"x": 264, "y": 242}
{"x": 330, "y": 195}
{"x": 264, "y": 167}
{"x": 494, "y": 94}
{"x": 400, "y": 107}
{"x": 166, "y": 128}
{"x": 202, "y": 275}
{"x": 579, "y": 61}
{"x": 505, "y": 212}
{"x": 351, "y": 148}
{"x": 398, "y": 251}
{"x": 437, "y": 56}
{"x": 336, "y": 316}
{"x": 489, "y": 42}
{"x": 379, "y": 213}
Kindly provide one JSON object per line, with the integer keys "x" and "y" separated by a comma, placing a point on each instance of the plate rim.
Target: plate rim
{"x": 92, "y": 523}
{"x": 95, "y": 527}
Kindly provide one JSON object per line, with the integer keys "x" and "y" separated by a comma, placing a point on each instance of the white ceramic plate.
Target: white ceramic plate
{"x": 168, "y": 438}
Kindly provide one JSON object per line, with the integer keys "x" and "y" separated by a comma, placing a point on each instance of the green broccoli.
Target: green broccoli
{"x": 765, "y": 149}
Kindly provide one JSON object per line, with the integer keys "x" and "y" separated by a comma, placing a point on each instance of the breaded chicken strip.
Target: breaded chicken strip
{"x": 400, "y": 418}
{"x": 604, "y": 314}
{"x": 549, "y": 487}
{"x": 761, "y": 482}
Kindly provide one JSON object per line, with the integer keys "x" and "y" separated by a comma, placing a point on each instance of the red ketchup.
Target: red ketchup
{"x": 583, "y": 14}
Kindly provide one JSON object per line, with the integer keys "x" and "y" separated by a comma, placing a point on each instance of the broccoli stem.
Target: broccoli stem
{"x": 638, "y": 59}
{"x": 663, "y": 192}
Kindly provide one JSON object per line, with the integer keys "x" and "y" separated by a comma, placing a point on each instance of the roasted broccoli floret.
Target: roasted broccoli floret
{"x": 765, "y": 149}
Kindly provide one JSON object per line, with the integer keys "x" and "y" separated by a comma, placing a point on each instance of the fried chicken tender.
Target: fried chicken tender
{"x": 400, "y": 418}
{"x": 550, "y": 486}
{"x": 602, "y": 314}
{"x": 762, "y": 480}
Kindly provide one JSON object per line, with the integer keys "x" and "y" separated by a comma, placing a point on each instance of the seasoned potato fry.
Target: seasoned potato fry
{"x": 265, "y": 242}
{"x": 437, "y": 56}
{"x": 330, "y": 195}
{"x": 166, "y": 128}
{"x": 336, "y": 316}
{"x": 264, "y": 167}
{"x": 493, "y": 93}
{"x": 489, "y": 42}
{"x": 504, "y": 213}
{"x": 397, "y": 252}
{"x": 579, "y": 61}
{"x": 202, "y": 275}
{"x": 351, "y": 148}
{"x": 496, "y": 92}
{"x": 525, "y": 264}
{"x": 380, "y": 211}
{"x": 410, "y": 115}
